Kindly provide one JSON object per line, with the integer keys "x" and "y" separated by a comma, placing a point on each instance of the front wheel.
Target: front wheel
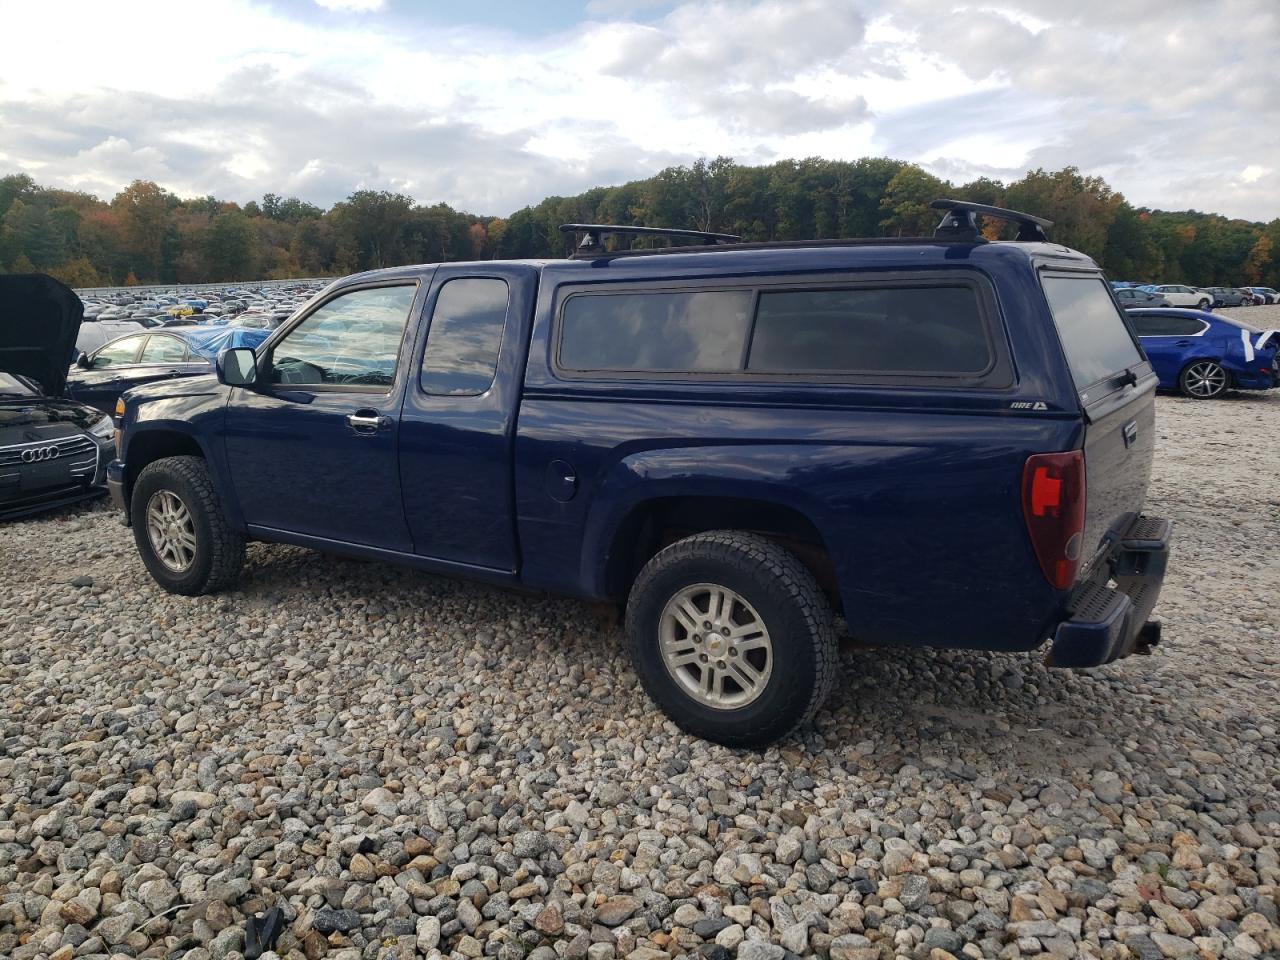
{"x": 732, "y": 637}
{"x": 1204, "y": 304}
{"x": 184, "y": 540}
{"x": 1203, "y": 380}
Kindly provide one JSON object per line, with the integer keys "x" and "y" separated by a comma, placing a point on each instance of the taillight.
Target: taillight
{"x": 1053, "y": 504}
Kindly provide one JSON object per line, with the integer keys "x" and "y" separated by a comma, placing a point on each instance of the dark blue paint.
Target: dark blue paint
{"x": 914, "y": 490}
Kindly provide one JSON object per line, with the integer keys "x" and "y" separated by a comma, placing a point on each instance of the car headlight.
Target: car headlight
{"x": 103, "y": 428}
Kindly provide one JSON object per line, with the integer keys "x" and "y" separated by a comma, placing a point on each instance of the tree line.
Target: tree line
{"x": 146, "y": 234}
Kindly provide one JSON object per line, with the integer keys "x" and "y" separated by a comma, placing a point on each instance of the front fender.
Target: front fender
{"x": 195, "y": 417}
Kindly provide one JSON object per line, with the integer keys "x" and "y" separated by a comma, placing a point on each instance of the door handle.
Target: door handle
{"x": 1183, "y": 343}
{"x": 367, "y": 421}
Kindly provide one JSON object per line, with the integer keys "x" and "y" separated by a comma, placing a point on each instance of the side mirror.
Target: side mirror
{"x": 237, "y": 367}
{"x": 83, "y": 362}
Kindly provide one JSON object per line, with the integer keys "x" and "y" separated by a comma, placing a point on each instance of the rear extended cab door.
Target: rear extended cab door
{"x": 1116, "y": 387}
{"x": 457, "y": 424}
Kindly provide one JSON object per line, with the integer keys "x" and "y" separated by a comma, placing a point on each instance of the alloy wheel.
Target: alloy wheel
{"x": 171, "y": 530}
{"x": 716, "y": 646}
{"x": 1205, "y": 379}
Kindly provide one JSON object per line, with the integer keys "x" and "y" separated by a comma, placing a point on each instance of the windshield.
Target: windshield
{"x": 11, "y": 386}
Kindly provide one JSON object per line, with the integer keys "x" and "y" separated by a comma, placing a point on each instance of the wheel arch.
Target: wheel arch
{"x": 638, "y": 532}
{"x": 1217, "y": 358}
{"x": 150, "y": 441}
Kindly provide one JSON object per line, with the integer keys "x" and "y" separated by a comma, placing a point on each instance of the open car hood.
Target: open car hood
{"x": 39, "y": 320}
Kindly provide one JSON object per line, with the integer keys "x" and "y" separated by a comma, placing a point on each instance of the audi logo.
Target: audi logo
{"x": 39, "y": 453}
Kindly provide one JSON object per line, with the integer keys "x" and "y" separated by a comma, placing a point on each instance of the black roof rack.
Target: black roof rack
{"x": 593, "y": 234}
{"x": 960, "y": 222}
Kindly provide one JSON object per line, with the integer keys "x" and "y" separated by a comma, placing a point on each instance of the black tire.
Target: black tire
{"x": 791, "y": 607}
{"x": 1204, "y": 304}
{"x": 219, "y": 550}
{"x": 1199, "y": 372}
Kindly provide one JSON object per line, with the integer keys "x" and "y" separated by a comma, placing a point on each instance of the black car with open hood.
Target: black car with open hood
{"x": 53, "y": 451}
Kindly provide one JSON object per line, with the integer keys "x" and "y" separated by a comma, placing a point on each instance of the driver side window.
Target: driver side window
{"x": 353, "y": 339}
{"x": 124, "y": 350}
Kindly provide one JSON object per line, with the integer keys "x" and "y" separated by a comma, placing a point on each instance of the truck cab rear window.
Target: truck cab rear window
{"x": 1093, "y": 332}
{"x": 465, "y": 337}
{"x": 908, "y": 330}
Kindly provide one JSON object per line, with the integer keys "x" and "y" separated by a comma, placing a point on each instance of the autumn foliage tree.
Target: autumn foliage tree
{"x": 147, "y": 234}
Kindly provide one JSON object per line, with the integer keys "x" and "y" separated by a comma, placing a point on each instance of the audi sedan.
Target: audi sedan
{"x": 53, "y": 451}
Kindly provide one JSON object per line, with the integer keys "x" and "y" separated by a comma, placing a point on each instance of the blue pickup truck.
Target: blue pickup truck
{"x": 944, "y": 440}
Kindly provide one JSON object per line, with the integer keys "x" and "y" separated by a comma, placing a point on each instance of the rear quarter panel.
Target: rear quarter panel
{"x": 915, "y": 491}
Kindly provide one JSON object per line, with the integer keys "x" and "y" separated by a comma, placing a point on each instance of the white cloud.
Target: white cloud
{"x": 1172, "y": 103}
{"x": 354, "y": 6}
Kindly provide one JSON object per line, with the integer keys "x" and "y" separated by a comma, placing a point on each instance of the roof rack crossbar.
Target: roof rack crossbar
{"x": 593, "y": 234}
{"x": 960, "y": 221}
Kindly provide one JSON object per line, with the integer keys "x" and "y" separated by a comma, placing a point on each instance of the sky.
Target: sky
{"x": 493, "y": 105}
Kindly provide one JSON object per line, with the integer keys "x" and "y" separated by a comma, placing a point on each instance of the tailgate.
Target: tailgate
{"x": 1117, "y": 394}
{"x": 1119, "y": 440}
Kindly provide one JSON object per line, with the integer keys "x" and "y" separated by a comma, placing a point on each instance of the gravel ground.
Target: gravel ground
{"x": 409, "y": 766}
{"x": 1264, "y": 317}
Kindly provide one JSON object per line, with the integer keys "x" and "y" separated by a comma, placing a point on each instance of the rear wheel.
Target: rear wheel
{"x": 185, "y": 542}
{"x": 732, "y": 637}
{"x": 1203, "y": 380}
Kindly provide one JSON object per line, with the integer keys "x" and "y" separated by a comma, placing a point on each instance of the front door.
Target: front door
{"x": 165, "y": 357}
{"x": 312, "y": 448}
{"x": 458, "y": 427}
{"x": 102, "y": 383}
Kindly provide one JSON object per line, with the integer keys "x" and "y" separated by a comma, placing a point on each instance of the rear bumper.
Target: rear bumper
{"x": 1254, "y": 381}
{"x": 1109, "y": 609}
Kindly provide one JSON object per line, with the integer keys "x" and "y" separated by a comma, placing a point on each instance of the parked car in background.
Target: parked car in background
{"x": 1131, "y": 297}
{"x": 1263, "y": 295}
{"x": 1202, "y": 355}
{"x": 1230, "y": 297}
{"x": 53, "y": 451}
{"x": 1180, "y": 295}
{"x": 92, "y": 334}
{"x": 102, "y": 376}
{"x": 255, "y": 321}
{"x": 733, "y": 440}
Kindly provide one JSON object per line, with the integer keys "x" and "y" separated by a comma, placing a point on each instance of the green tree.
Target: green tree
{"x": 229, "y": 245}
{"x": 906, "y": 203}
{"x": 373, "y": 222}
{"x": 145, "y": 210}
{"x": 1081, "y": 208}
{"x": 77, "y": 273}
{"x": 16, "y": 186}
{"x": 1259, "y": 260}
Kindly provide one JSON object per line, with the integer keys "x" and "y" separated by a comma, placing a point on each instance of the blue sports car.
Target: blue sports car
{"x": 1202, "y": 354}
{"x": 99, "y": 378}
